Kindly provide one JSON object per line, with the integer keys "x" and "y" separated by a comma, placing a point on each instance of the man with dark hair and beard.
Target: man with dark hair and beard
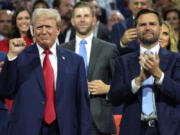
{"x": 98, "y": 57}
{"x": 65, "y": 7}
{"x": 147, "y": 82}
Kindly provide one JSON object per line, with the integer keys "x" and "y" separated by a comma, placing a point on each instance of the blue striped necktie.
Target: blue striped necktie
{"x": 147, "y": 98}
{"x": 83, "y": 53}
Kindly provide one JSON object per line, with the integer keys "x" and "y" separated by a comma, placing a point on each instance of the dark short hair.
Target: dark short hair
{"x": 40, "y": 1}
{"x": 56, "y": 3}
{"x": 14, "y": 33}
{"x": 148, "y": 11}
{"x": 171, "y": 10}
{"x": 84, "y": 4}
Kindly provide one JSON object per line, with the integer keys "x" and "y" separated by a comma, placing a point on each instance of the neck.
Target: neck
{"x": 149, "y": 46}
{"x": 23, "y": 34}
{"x": 83, "y": 36}
{"x": 177, "y": 33}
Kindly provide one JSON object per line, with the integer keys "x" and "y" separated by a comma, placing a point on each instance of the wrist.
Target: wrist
{"x": 138, "y": 81}
{"x": 123, "y": 42}
{"x": 157, "y": 76}
{"x": 11, "y": 55}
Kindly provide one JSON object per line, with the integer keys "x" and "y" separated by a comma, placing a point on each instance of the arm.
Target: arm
{"x": 8, "y": 74}
{"x": 120, "y": 90}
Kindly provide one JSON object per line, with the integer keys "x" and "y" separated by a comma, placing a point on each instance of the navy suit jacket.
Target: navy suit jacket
{"x": 3, "y": 107}
{"x": 117, "y": 33}
{"x": 23, "y": 78}
{"x": 167, "y": 95}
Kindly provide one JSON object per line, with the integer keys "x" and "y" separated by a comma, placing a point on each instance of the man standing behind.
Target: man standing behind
{"x": 50, "y": 95}
{"x": 65, "y": 7}
{"x": 5, "y": 23}
{"x": 147, "y": 82}
{"x": 98, "y": 56}
{"x": 123, "y": 34}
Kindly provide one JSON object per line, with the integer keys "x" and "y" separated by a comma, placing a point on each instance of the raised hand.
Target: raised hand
{"x": 16, "y": 46}
{"x": 129, "y": 35}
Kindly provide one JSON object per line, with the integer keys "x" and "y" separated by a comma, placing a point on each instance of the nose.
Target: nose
{"x": 139, "y": 5}
{"x": 44, "y": 29}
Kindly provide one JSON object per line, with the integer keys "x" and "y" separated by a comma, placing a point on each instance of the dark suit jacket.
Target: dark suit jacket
{"x": 117, "y": 33}
{"x": 62, "y": 35}
{"x": 23, "y": 78}
{"x": 100, "y": 68}
{"x": 167, "y": 95}
{"x": 3, "y": 107}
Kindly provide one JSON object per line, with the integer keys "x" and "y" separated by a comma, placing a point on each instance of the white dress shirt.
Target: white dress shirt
{"x": 88, "y": 45}
{"x": 52, "y": 58}
{"x": 155, "y": 49}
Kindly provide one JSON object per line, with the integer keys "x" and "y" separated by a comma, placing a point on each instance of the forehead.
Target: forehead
{"x": 172, "y": 13}
{"x": 139, "y": 1}
{"x": 66, "y": 2}
{"x": 44, "y": 21}
{"x": 24, "y": 12}
{"x": 147, "y": 18}
{"x": 82, "y": 10}
{"x": 165, "y": 28}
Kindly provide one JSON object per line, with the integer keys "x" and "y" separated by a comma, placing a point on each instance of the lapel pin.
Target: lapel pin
{"x": 63, "y": 57}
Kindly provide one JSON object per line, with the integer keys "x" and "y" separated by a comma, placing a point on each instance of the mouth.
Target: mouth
{"x": 161, "y": 42}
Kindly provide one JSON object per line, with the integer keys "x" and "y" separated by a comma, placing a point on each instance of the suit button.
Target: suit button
{"x": 43, "y": 102}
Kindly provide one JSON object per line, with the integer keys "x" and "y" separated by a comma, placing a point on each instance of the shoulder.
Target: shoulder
{"x": 68, "y": 53}
{"x": 104, "y": 43}
{"x": 128, "y": 56}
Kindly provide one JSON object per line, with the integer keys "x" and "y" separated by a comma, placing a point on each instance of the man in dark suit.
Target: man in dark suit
{"x": 99, "y": 66}
{"x": 3, "y": 107}
{"x": 123, "y": 33}
{"x": 64, "y": 7}
{"x": 147, "y": 82}
{"x": 50, "y": 95}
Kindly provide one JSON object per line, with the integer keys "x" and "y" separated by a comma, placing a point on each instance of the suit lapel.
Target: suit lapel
{"x": 134, "y": 62}
{"x": 95, "y": 51}
{"x": 134, "y": 68}
{"x": 71, "y": 45}
{"x": 62, "y": 63}
{"x": 36, "y": 65}
{"x": 164, "y": 59}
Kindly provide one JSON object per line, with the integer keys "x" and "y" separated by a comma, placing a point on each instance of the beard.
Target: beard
{"x": 83, "y": 32}
{"x": 148, "y": 41}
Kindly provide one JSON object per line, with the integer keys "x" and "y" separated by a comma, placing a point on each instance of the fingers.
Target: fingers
{"x": 146, "y": 61}
{"x": 17, "y": 42}
{"x": 94, "y": 86}
{"x": 129, "y": 36}
{"x": 1, "y": 64}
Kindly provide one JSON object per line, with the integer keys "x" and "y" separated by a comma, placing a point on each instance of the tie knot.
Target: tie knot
{"x": 47, "y": 52}
{"x": 148, "y": 51}
{"x": 83, "y": 42}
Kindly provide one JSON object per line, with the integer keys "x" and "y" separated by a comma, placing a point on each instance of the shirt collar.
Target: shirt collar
{"x": 52, "y": 49}
{"x": 154, "y": 49}
{"x": 88, "y": 39}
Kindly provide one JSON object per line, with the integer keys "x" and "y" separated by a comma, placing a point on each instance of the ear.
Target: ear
{"x": 72, "y": 21}
{"x": 94, "y": 20}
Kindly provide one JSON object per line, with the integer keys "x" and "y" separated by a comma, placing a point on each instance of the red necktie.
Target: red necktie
{"x": 49, "y": 113}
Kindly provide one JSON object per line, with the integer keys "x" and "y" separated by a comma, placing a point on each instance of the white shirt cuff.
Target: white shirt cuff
{"x": 11, "y": 59}
{"x": 134, "y": 87}
{"x": 122, "y": 45}
{"x": 161, "y": 79}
